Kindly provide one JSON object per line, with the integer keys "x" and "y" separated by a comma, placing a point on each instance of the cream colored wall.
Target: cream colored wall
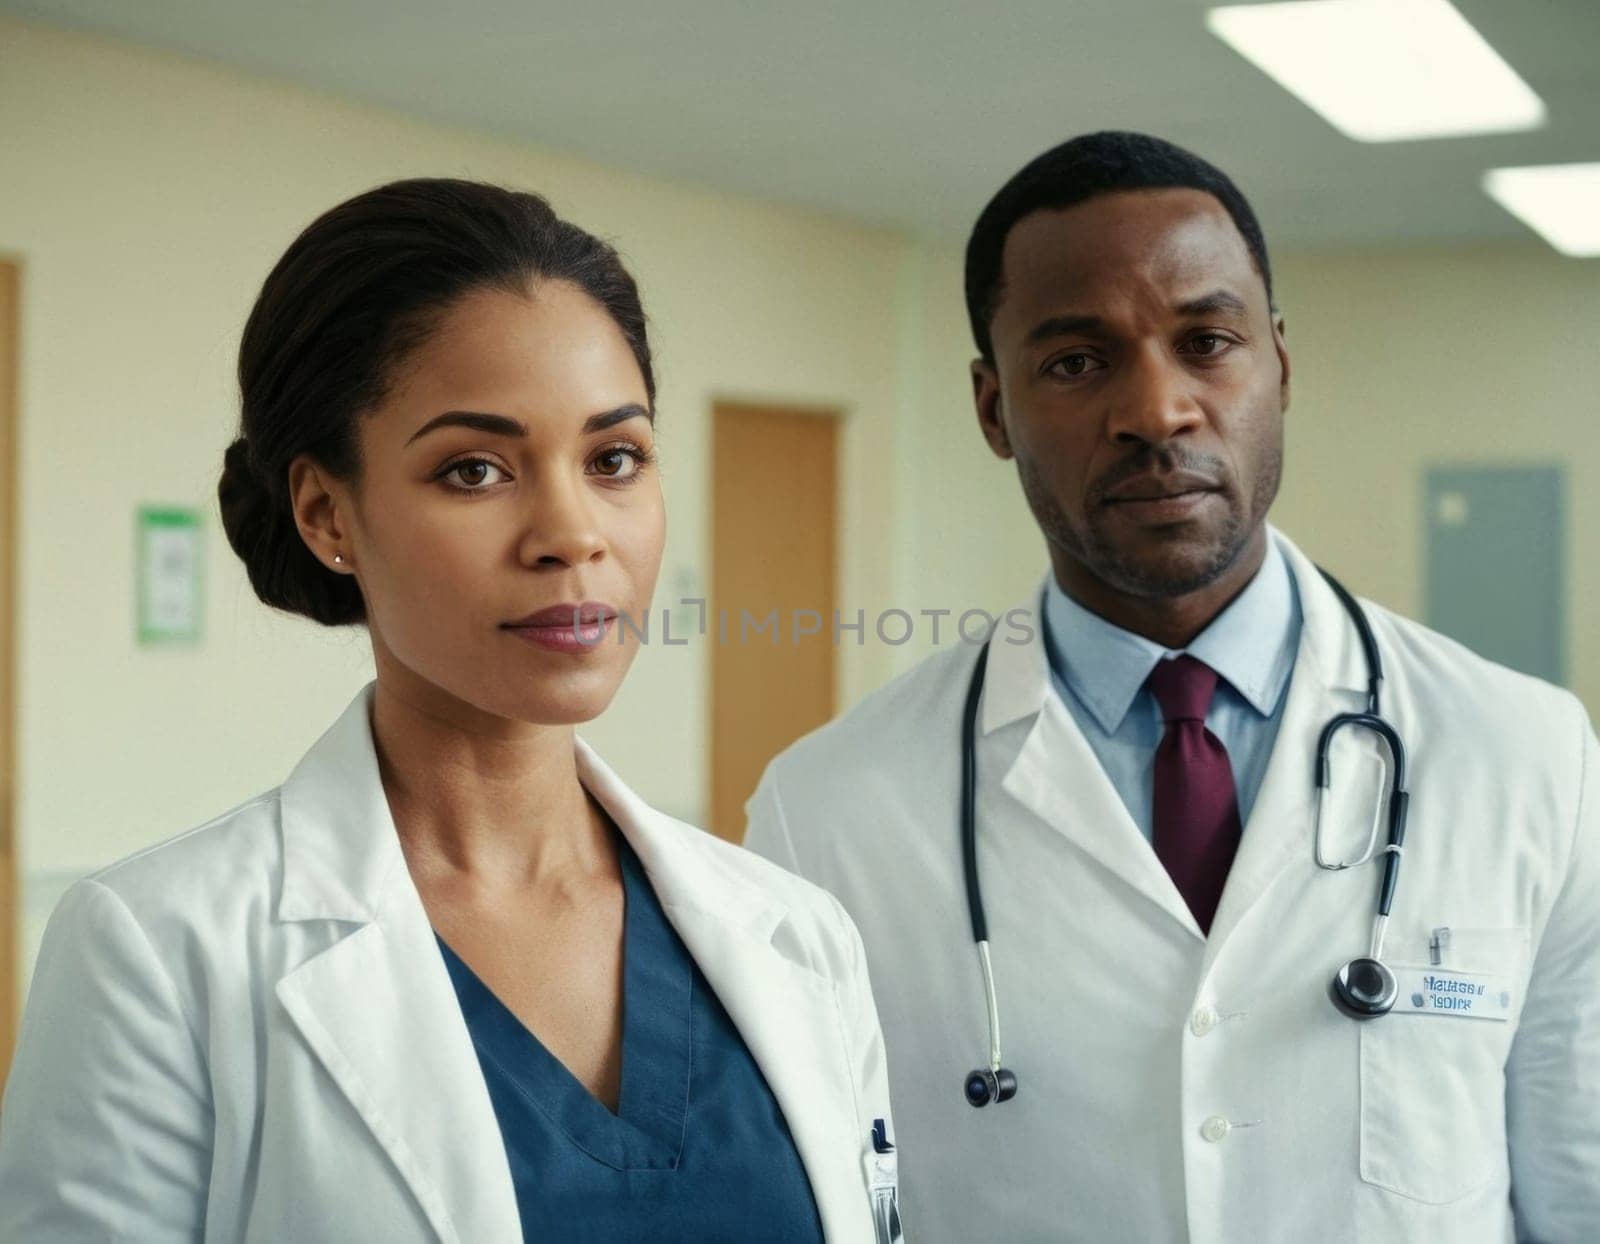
{"x": 968, "y": 541}
{"x": 1400, "y": 362}
{"x": 1480, "y": 356}
{"x": 147, "y": 197}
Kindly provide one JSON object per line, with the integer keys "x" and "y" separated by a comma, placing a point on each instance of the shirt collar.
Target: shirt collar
{"x": 1251, "y": 644}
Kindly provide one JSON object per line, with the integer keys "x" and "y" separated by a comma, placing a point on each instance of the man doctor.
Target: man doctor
{"x": 1163, "y": 940}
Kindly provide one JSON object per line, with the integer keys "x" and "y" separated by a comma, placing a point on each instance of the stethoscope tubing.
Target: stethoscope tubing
{"x": 1355, "y": 1003}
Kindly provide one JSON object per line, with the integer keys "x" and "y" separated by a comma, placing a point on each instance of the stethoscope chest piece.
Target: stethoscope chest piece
{"x": 1364, "y": 989}
{"x": 983, "y": 1086}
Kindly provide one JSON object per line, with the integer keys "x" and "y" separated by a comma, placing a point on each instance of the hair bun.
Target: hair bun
{"x": 283, "y": 571}
{"x": 243, "y": 496}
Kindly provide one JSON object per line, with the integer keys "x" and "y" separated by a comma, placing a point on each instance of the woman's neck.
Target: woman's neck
{"x": 481, "y": 800}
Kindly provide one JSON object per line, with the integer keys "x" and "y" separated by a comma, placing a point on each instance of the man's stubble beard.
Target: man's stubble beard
{"x": 1101, "y": 558}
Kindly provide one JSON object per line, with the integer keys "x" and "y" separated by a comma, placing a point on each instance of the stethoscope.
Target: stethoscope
{"x": 1364, "y": 988}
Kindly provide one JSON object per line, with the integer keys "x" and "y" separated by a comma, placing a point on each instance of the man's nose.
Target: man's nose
{"x": 1155, "y": 403}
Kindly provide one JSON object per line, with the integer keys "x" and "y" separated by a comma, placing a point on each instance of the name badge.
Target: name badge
{"x": 1459, "y": 995}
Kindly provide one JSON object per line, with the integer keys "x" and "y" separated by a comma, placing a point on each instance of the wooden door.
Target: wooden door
{"x": 774, "y": 488}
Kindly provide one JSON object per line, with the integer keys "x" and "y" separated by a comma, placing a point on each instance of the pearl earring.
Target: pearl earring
{"x": 338, "y": 559}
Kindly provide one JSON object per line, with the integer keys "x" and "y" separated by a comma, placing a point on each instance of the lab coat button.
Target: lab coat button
{"x": 1215, "y": 1128}
{"x": 1203, "y": 1020}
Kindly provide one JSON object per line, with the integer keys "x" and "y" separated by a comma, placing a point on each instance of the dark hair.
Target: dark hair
{"x": 1084, "y": 168}
{"x": 361, "y": 288}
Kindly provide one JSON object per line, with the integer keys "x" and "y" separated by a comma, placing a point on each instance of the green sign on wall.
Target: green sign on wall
{"x": 170, "y": 562}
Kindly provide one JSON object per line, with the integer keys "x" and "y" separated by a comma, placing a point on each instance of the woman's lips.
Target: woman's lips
{"x": 571, "y": 626}
{"x": 567, "y": 613}
{"x": 585, "y": 636}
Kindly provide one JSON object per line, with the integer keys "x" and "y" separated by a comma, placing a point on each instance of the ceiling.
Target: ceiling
{"x": 905, "y": 113}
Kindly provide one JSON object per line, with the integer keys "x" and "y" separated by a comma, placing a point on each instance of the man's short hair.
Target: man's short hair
{"x": 1084, "y": 168}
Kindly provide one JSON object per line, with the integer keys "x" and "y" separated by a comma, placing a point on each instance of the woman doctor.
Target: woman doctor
{"x": 451, "y": 980}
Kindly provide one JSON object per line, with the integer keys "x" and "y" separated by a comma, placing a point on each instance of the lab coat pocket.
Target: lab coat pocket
{"x": 1433, "y": 1081}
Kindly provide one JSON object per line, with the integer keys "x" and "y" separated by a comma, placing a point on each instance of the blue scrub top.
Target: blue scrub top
{"x": 698, "y": 1149}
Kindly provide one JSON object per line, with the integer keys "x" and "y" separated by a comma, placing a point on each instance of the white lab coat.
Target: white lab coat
{"x": 1176, "y": 1087}
{"x": 248, "y": 1033}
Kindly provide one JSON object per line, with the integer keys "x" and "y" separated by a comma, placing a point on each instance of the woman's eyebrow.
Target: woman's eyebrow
{"x": 498, "y": 425}
{"x": 609, "y": 418}
{"x": 504, "y": 425}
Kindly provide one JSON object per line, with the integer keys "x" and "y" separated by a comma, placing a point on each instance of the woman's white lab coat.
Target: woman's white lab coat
{"x": 248, "y": 1033}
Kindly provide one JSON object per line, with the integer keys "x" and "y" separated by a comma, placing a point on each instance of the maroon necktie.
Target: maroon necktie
{"x": 1195, "y": 819}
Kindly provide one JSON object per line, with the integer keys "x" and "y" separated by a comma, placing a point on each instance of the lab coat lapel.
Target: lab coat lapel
{"x": 377, "y": 1008}
{"x": 790, "y": 1020}
{"x": 1329, "y": 677}
{"x": 1057, "y": 776}
{"x": 788, "y": 1015}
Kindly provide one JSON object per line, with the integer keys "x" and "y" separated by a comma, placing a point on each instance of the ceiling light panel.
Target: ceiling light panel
{"x": 1383, "y": 70}
{"x": 1559, "y": 202}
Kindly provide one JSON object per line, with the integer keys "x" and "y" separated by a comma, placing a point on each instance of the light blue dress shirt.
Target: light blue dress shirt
{"x": 1099, "y": 671}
